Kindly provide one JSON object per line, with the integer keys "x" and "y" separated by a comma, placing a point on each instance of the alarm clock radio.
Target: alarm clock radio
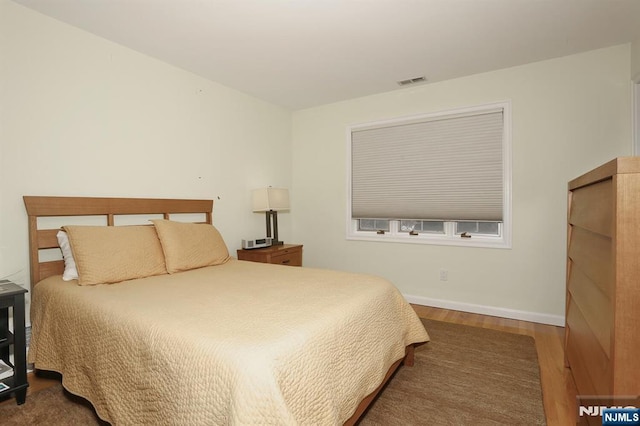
{"x": 257, "y": 243}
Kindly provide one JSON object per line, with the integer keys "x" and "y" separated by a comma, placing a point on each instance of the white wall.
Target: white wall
{"x": 569, "y": 115}
{"x": 81, "y": 116}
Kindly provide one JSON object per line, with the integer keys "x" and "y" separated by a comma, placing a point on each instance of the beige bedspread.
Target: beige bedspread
{"x": 240, "y": 343}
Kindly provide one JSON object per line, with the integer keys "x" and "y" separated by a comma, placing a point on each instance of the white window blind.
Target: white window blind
{"x": 441, "y": 168}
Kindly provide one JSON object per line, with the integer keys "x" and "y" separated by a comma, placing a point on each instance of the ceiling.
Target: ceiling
{"x": 304, "y": 53}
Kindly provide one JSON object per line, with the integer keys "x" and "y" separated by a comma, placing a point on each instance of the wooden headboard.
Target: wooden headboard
{"x": 40, "y": 239}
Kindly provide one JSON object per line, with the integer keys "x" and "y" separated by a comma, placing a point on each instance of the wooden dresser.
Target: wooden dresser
{"x": 602, "y": 334}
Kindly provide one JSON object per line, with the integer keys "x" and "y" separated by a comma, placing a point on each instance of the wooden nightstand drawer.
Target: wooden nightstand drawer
{"x": 292, "y": 259}
{"x": 286, "y": 254}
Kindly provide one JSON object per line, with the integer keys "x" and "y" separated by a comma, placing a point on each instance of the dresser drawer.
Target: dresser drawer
{"x": 292, "y": 258}
{"x": 595, "y": 307}
{"x": 587, "y": 354}
{"x": 590, "y": 207}
{"x": 592, "y": 254}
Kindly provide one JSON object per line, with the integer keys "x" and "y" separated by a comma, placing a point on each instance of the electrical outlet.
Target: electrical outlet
{"x": 444, "y": 275}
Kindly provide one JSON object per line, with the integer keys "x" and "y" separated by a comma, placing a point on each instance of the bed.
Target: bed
{"x": 231, "y": 342}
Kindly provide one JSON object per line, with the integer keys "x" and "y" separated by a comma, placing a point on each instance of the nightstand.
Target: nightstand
{"x": 12, "y": 296}
{"x": 285, "y": 254}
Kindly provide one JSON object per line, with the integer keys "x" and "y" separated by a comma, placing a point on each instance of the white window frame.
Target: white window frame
{"x": 449, "y": 238}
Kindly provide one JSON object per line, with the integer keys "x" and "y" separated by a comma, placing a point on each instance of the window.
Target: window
{"x": 478, "y": 228}
{"x": 373, "y": 225}
{"x": 440, "y": 178}
{"x": 418, "y": 226}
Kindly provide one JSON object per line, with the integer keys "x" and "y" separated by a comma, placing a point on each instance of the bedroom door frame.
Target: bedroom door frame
{"x": 636, "y": 116}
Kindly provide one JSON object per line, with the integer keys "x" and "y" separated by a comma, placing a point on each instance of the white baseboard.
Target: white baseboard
{"x": 494, "y": 311}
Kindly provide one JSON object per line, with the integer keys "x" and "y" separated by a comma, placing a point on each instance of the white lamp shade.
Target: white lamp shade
{"x": 265, "y": 199}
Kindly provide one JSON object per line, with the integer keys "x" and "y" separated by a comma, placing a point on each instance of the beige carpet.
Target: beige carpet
{"x": 464, "y": 376}
{"x": 51, "y": 407}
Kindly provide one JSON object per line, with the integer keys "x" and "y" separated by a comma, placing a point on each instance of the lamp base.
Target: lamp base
{"x": 272, "y": 215}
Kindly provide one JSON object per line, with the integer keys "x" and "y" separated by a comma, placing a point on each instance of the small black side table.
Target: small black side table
{"x": 12, "y": 296}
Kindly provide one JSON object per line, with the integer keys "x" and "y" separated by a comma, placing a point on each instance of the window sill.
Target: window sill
{"x": 474, "y": 241}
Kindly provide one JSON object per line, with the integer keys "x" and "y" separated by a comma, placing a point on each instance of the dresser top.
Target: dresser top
{"x": 274, "y": 249}
{"x": 620, "y": 165}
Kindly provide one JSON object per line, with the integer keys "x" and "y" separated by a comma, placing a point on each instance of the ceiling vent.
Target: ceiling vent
{"x": 412, "y": 80}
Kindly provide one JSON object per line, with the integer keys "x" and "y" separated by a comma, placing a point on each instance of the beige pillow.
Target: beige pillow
{"x": 110, "y": 254}
{"x": 190, "y": 245}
